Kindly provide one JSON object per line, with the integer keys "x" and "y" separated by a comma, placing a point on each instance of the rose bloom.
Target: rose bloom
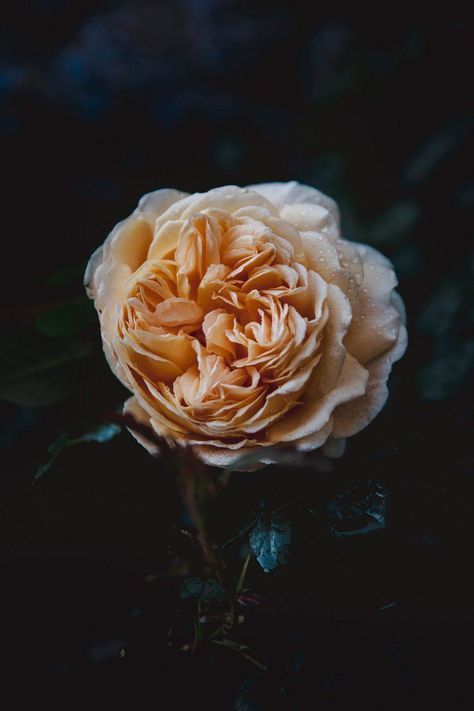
{"x": 242, "y": 322}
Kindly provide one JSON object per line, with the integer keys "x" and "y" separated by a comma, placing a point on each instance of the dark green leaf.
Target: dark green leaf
{"x": 204, "y": 590}
{"x": 68, "y": 320}
{"x": 102, "y": 433}
{"x": 35, "y": 373}
{"x": 360, "y": 510}
{"x": 435, "y": 149}
{"x": 270, "y": 540}
{"x": 53, "y": 451}
{"x": 68, "y": 276}
{"x": 447, "y": 372}
{"x": 395, "y": 223}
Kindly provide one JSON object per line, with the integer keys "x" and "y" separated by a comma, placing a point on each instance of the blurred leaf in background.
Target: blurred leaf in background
{"x": 68, "y": 320}
{"x": 35, "y": 372}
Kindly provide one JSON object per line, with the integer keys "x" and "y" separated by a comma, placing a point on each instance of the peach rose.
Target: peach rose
{"x": 241, "y": 321}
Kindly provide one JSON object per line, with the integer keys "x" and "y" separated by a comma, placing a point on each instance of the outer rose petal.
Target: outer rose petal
{"x": 352, "y": 417}
{"x": 230, "y": 198}
{"x": 132, "y": 407}
{"x": 112, "y": 263}
{"x": 155, "y": 203}
{"x": 250, "y": 459}
{"x": 378, "y": 341}
{"x": 281, "y": 194}
{"x": 127, "y": 244}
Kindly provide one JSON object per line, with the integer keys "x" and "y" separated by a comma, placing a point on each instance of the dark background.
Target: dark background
{"x": 103, "y": 101}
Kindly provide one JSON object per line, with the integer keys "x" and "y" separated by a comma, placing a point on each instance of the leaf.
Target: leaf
{"x": 53, "y": 450}
{"x": 35, "y": 373}
{"x": 68, "y": 320}
{"x": 204, "y": 590}
{"x": 269, "y": 540}
{"x": 395, "y": 223}
{"x": 436, "y": 149}
{"x": 67, "y": 276}
{"x": 102, "y": 433}
{"x": 447, "y": 372}
{"x": 355, "y": 512}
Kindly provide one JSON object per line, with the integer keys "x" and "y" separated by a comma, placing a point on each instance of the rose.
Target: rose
{"x": 241, "y": 321}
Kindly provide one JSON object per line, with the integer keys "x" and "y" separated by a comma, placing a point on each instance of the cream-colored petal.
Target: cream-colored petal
{"x": 334, "y": 448}
{"x": 352, "y": 417}
{"x": 178, "y": 312}
{"x": 312, "y": 217}
{"x": 316, "y": 439}
{"x": 321, "y": 254}
{"x": 333, "y": 347}
{"x": 281, "y": 194}
{"x": 93, "y": 264}
{"x": 174, "y": 348}
{"x": 124, "y": 250}
{"x": 165, "y": 240}
{"x": 377, "y": 325}
{"x": 152, "y": 205}
{"x": 110, "y": 340}
{"x": 229, "y": 198}
{"x": 132, "y": 408}
{"x": 225, "y": 458}
{"x": 314, "y": 413}
{"x": 280, "y": 228}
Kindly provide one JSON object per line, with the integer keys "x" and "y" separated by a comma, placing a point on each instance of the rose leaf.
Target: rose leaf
{"x": 102, "y": 433}
{"x": 355, "y": 512}
{"x": 34, "y": 373}
{"x": 204, "y": 590}
{"x": 269, "y": 540}
{"x": 68, "y": 320}
{"x": 67, "y": 276}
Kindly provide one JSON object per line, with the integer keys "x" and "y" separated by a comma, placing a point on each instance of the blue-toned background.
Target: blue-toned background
{"x": 103, "y": 101}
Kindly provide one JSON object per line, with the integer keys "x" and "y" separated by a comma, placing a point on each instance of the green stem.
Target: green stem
{"x": 243, "y": 573}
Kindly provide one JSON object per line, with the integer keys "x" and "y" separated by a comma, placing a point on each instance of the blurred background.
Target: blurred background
{"x": 102, "y": 101}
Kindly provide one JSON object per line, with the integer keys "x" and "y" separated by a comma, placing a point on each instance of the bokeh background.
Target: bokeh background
{"x": 102, "y": 101}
